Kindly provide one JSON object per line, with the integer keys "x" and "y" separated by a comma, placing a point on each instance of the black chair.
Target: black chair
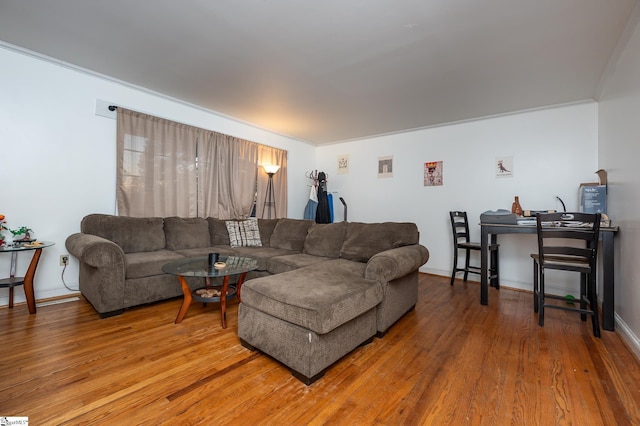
{"x": 555, "y": 233}
{"x": 460, "y": 229}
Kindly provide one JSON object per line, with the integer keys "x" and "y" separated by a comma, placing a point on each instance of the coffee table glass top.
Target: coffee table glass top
{"x": 199, "y": 266}
{"x": 33, "y": 245}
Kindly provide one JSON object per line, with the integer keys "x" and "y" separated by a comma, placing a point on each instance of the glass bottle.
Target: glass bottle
{"x": 516, "y": 208}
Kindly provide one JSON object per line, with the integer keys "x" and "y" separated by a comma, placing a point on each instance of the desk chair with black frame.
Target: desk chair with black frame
{"x": 555, "y": 230}
{"x": 461, "y": 241}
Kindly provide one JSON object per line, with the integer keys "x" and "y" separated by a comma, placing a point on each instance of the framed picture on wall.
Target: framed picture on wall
{"x": 385, "y": 166}
{"x": 504, "y": 166}
{"x": 343, "y": 164}
{"x": 433, "y": 173}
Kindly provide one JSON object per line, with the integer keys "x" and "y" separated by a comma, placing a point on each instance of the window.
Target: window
{"x": 171, "y": 169}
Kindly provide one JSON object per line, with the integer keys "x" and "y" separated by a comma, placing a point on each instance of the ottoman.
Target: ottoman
{"x": 309, "y": 318}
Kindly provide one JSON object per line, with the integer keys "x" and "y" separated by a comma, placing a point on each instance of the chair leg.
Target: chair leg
{"x": 585, "y": 294}
{"x": 466, "y": 264}
{"x": 495, "y": 259}
{"x": 455, "y": 265}
{"x": 535, "y": 287}
{"x": 593, "y": 299}
{"x": 541, "y": 298}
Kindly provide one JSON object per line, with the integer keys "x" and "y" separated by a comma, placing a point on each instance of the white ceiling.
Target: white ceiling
{"x": 334, "y": 70}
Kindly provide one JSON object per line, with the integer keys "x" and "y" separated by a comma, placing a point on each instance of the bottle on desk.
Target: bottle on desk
{"x": 516, "y": 208}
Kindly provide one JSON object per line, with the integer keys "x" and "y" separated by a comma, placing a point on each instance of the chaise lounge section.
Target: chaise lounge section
{"x": 311, "y": 317}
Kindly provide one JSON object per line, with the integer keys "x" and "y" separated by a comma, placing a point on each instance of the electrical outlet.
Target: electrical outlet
{"x": 64, "y": 259}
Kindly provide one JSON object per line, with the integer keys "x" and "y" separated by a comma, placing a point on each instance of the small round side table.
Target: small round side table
{"x": 27, "y": 280}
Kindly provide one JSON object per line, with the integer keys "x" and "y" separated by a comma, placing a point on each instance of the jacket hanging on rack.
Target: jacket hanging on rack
{"x": 312, "y": 205}
{"x": 323, "y": 213}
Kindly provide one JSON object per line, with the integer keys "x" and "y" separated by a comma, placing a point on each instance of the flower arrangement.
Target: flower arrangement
{"x": 2, "y": 228}
{"x": 22, "y": 233}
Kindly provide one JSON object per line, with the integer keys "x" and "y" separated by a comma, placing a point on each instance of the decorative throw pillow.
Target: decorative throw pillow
{"x": 244, "y": 233}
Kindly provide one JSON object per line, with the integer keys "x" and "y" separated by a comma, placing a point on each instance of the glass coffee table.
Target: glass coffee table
{"x": 199, "y": 267}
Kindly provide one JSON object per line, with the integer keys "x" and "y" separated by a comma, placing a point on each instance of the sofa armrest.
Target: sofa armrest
{"x": 95, "y": 251}
{"x": 396, "y": 263}
{"x": 102, "y": 272}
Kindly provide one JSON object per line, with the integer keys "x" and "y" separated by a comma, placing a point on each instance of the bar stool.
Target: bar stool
{"x": 461, "y": 241}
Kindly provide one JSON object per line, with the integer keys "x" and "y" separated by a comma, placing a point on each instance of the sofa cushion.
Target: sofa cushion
{"x": 147, "y": 264}
{"x": 266, "y": 227}
{"x": 325, "y": 239}
{"x": 289, "y": 234}
{"x": 244, "y": 233}
{"x": 132, "y": 234}
{"x": 289, "y": 262}
{"x": 363, "y": 240}
{"x": 218, "y": 232}
{"x": 186, "y": 233}
{"x": 261, "y": 254}
{"x": 319, "y": 297}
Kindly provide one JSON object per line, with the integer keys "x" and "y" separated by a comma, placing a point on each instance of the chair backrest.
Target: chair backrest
{"x": 459, "y": 227}
{"x": 554, "y": 229}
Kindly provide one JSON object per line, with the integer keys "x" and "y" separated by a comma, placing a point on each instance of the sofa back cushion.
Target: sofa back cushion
{"x": 266, "y": 227}
{"x": 218, "y": 233}
{"x": 186, "y": 233}
{"x": 325, "y": 239}
{"x": 132, "y": 234}
{"x": 289, "y": 234}
{"x": 363, "y": 240}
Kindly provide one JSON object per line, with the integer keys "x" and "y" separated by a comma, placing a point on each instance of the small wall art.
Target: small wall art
{"x": 433, "y": 173}
{"x": 343, "y": 164}
{"x": 504, "y": 166}
{"x": 385, "y": 166}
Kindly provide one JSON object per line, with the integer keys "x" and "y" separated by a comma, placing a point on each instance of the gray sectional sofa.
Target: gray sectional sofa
{"x": 320, "y": 290}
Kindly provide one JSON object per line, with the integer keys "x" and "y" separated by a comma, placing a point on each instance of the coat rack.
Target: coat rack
{"x": 313, "y": 175}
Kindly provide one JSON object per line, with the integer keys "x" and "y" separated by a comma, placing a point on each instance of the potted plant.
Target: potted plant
{"x": 22, "y": 234}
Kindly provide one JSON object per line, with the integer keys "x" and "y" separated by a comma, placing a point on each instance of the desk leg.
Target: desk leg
{"x": 608, "y": 318}
{"x": 495, "y": 282}
{"x": 484, "y": 268}
{"x": 186, "y": 301}
{"x": 28, "y": 281}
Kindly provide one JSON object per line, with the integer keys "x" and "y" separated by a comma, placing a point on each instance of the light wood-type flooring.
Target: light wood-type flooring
{"x": 450, "y": 361}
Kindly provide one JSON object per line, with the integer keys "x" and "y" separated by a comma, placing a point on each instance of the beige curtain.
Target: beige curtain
{"x": 227, "y": 176}
{"x": 171, "y": 169}
{"x": 156, "y": 167}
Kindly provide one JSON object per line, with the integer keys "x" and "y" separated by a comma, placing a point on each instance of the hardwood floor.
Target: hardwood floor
{"x": 450, "y": 361}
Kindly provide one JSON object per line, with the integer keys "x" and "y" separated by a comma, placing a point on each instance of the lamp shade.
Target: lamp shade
{"x": 271, "y": 168}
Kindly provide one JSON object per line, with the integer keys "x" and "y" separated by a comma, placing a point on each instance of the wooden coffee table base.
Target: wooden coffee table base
{"x": 188, "y": 298}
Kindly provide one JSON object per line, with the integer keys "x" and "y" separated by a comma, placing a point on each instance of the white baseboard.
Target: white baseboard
{"x": 628, "y": 336}
{"x": 58, "y": 301}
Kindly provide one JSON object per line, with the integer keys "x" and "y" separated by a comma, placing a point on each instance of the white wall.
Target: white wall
{"x": 553, "y": 150}
{"x": 58, "y": 158}
{"x": 619, "y": 154}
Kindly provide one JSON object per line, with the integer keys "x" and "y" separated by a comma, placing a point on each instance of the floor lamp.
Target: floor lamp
{"x": 270, "y": 198}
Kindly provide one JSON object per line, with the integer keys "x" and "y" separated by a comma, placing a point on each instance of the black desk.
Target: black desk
{"x": 606, "y": 235}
